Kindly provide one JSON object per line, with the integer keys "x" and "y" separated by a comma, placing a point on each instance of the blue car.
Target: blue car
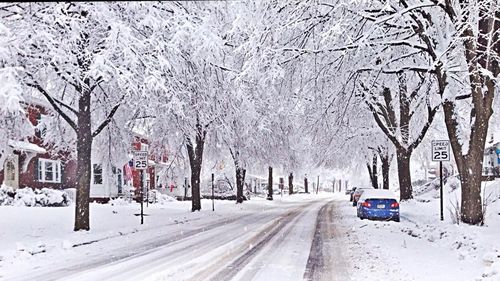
{"x": 377, "y": 204}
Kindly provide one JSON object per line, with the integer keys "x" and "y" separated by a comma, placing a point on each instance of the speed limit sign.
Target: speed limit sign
{"x": 440, "y": 150}
{"x": 140, "y": 160}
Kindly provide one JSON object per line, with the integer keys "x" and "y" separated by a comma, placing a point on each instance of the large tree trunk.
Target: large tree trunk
{"x": 270, "y": 184}
{"x": 470, "y": 169}
{"x": 479, "y": 55}
{"x": 469, "y": 165}
{"x": 404, "y": 176}
{"x": 195, "y": 160}
{"x": 84, "y": 164}
{"x": 290, "y": 184}
{"x": 471, "y": 208}
{"x": 240, "y": 182}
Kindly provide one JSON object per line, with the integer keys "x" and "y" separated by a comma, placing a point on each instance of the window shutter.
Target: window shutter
{"x": 62, "y": 172}
{"x": 37, "y": 167}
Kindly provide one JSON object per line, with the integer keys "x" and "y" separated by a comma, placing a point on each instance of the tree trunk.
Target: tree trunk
{"x": 372, "y": 171}
{"x": 404, "y": 176}
{"x": 469, "y": 165}
{"x": 290, "y": 184}
{"x": 375, "y": 171}
{"x": 84, "y": 164}
{"x": 385, "y": 171}
{"x": 195, "y": 186}
{"x": 195, "y": 160}
{"x": 240, "y": 181}
{"x": 471, "y": 208}
{"x": 270, "y": 184}
{"x": 305, "y": 185}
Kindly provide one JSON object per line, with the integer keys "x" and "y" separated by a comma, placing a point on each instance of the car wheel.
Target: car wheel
{"x": 396, "y": 219}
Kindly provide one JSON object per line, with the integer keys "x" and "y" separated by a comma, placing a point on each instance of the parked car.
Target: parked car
{"x": 378, "y": 204}
{"x": 357, "y": 194}
{"x": 351, "y": 193}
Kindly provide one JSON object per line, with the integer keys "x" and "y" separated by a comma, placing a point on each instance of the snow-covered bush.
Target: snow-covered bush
{"x": 452, "y": 183}
{"x": 25, "y": 197}
{"x": 28, "y": 197}
{"x": 51, "y": 197}
{"x": 155, "y": 197}
{"x": 120, "y": 201}
{"x": 6, "y": 195}
{"x": 163, "y": 198}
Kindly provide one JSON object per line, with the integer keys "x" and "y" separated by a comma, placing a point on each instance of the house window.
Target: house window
{"x": 97, "y": 171}
{"x": 11, "y": 171}
{"x": 40, "y": 129}
{"x": 49, "y": 170}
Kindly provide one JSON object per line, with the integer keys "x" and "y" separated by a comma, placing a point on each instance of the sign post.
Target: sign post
{"x": 213, "y": 204}
{"x": 141, "y": 163}
{"x": 282, "y": 186}
{"x": 441, "y": 152}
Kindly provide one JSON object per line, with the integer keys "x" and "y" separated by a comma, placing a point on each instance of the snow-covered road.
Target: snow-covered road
{"x": 292, "y": 241}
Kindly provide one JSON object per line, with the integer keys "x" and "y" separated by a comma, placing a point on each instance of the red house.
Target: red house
{"x": 36, "y": 164}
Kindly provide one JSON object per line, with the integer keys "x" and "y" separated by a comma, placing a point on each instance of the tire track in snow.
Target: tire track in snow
{"x": 60, "y": 271}
{"x": 326, "y": 261}
{"x": 239, "y": 263}
{"x": 169, "y": 262}
{"x": 267, "y": 234}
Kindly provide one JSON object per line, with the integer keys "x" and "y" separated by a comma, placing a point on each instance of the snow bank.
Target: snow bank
{"x": 120, "y": 201}
{"x": 154, "y": 198}
{"x": 464, "y": 252}
{"x": 28, "y": 197}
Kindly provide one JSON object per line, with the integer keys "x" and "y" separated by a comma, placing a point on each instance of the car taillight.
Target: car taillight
{"x": 395, "y": 205}
{"x": 366, "y": 204}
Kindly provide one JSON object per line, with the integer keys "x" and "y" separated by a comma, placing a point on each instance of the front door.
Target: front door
{"x": 11, "y": 170}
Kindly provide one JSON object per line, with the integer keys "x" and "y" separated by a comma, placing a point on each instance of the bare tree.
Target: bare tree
{"x": 394, "y": 114}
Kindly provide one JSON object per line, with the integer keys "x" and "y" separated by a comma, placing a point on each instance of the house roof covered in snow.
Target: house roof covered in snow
{"x": 26, "y": 146}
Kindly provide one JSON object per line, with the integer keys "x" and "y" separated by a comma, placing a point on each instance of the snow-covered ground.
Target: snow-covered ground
{"x": 38, "y": 243}
{"x": 257, "y": 240}
{"x": 421, "y": 247}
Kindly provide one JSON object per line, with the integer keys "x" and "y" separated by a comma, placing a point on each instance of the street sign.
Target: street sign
{"x": 141, "y": 163}
{"x": 440, "y": 150}
{"x": 140, "y": 160}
